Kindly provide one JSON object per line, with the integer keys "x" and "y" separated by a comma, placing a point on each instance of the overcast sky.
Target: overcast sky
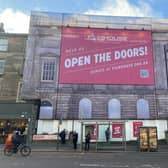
{"x": 15, "y": 14}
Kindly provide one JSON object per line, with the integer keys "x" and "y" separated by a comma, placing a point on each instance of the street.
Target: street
{"x": 86, "y": 160}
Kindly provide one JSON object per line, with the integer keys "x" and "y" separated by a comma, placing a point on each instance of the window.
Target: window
{"x": 48, "y": 71}
{"x": 114, "y": 109}
{"x": 2, "y": 66}
{"x": 3, "y": 44}
{"x": 142, "y": 109}
{"x": 18, "y": 96}
{"x": 46, "y": 110}
{"x": 85, "y": 108}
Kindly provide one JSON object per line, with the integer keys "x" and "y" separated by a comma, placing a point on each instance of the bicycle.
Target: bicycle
{"x": 24, "y": 150}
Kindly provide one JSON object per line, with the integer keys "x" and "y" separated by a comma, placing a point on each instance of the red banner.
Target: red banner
{"x": 104, "y": 56}
{"x": 45, "y": 137}
{"x": 93, "y": 129}
{"x": 94, "y": 135}
{"x": 117, "y": 130}
{"x": 135, "y": 127}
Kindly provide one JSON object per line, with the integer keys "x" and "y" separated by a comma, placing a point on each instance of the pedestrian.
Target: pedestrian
{"x": 87, "y": 141}
{"x": 25, "y": 133}
{"x": 62, "y": 136}
{"x": 16, "y": 140}
{"x": 75, "y": 139}
{"x": 8, "y": 141}
{"x": 107, "y": 134}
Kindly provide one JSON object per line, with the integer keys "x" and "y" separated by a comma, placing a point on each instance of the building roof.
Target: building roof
{"x": 111, "y": 22}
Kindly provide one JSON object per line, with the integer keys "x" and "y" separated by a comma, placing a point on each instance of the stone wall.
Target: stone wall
{"x": 14, "y": 62}
{"x": 44, "y": 42}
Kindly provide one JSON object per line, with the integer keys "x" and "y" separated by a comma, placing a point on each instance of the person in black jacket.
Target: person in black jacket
{"x": 75, "y": 139}
{"x": 107, "y": 134}
{"x": 16, "y": 140}
{"x": 87, "y": 141}
{"x": 62, "y": 136}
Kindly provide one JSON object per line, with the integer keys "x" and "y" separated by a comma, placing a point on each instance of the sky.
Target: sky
{"x": 15, "y": 14}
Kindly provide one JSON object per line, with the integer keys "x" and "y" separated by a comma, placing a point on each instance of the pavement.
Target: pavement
{"x": 68, "y": 147}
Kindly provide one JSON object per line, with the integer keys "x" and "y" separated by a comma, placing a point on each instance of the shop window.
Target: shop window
{"x": 114, "y": 110}
{"x": 2, "y": 66}
{"x": 48, "y": 70}
{"x": 46, "y": 110}
{"x": 143, "y": 109}
{"x": 85, "y": 108}
{"x": 3, "y": 44}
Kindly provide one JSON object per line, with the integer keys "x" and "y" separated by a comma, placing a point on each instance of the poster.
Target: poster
{"x": 93, "y": 129}
{"x": 117, "y": 130}
{"x": 153, "y": 138}
{"x": 143, "y": 138}
{"x": 90, "y": 56}
{"x": 136, "y": 124}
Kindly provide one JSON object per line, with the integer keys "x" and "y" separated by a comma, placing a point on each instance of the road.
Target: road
{"x": 86, "y": 160}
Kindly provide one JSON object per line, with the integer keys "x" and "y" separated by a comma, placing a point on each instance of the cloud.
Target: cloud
{"x": 124, "y": 8}
{"x": 14, "y": 21}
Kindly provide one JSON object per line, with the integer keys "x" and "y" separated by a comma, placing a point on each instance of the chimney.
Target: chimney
{"x": 2, "y": 28}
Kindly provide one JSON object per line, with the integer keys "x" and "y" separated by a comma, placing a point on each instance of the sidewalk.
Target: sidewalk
{"x": 54, "y": 147}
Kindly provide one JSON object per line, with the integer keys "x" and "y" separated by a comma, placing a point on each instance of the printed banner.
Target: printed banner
{"x": 93, "y": 129}
{"x": 143, "y": 138}
{"x": 153, "y": 144}
{"x": 45, "y": 137}
{"x": 117, "y": 130}
{"x": 104, "y": 56}
{"x": 135, "y": 127}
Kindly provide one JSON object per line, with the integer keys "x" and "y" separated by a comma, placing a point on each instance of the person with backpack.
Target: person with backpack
{"x": 62, "y": 136}
{"x": 16, "y": 140}
{"x": 87, "y": 141}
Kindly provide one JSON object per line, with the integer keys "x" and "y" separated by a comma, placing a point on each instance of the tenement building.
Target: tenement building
{"x": 93, "y": 72}
{"x": 15, "y": 114}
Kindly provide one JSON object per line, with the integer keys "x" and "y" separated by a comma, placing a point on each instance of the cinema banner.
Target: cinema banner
{"x": 117, "y": 130}
{"x": 136, "y": 124}
{"x": 106, "y": 56}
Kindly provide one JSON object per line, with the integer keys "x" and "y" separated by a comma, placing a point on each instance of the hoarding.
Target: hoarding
{"x": 106, "y": 56}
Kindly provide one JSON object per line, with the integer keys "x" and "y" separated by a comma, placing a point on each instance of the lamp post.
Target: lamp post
{"x": 58, "y": 131}
{"x": 81, "y": 118}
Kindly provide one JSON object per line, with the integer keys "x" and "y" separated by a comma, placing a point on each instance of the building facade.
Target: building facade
{"x": 14, "y": 112}
{"x": 69, "y": 67}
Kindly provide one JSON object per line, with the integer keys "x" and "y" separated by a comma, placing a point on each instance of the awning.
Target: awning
{"x": 15, "y": 110}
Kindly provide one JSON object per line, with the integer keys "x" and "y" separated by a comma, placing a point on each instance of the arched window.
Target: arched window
{"x": 114, "y": 110}
{"x": 85, "y": 108}
{"x": 143, "y": 109}
{"x": 46, "y": 110}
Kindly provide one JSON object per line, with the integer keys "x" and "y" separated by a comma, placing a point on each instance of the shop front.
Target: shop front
{"x": 15, "y": 116}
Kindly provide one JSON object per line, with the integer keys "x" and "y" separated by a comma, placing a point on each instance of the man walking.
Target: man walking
{"x": 75, "y": 139}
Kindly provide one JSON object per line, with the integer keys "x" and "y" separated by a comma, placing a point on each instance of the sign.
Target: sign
{"x": 93, "y": 129}
{"x": 117, "y": 130}
{"x": 106, "y": 56}
{"x": 143, "y": 138}
{"x": 44, "y": 137}
{"x": 153, "y": 144}
{"x": 135, "y": 127}
{"x": 148, "y": 138}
